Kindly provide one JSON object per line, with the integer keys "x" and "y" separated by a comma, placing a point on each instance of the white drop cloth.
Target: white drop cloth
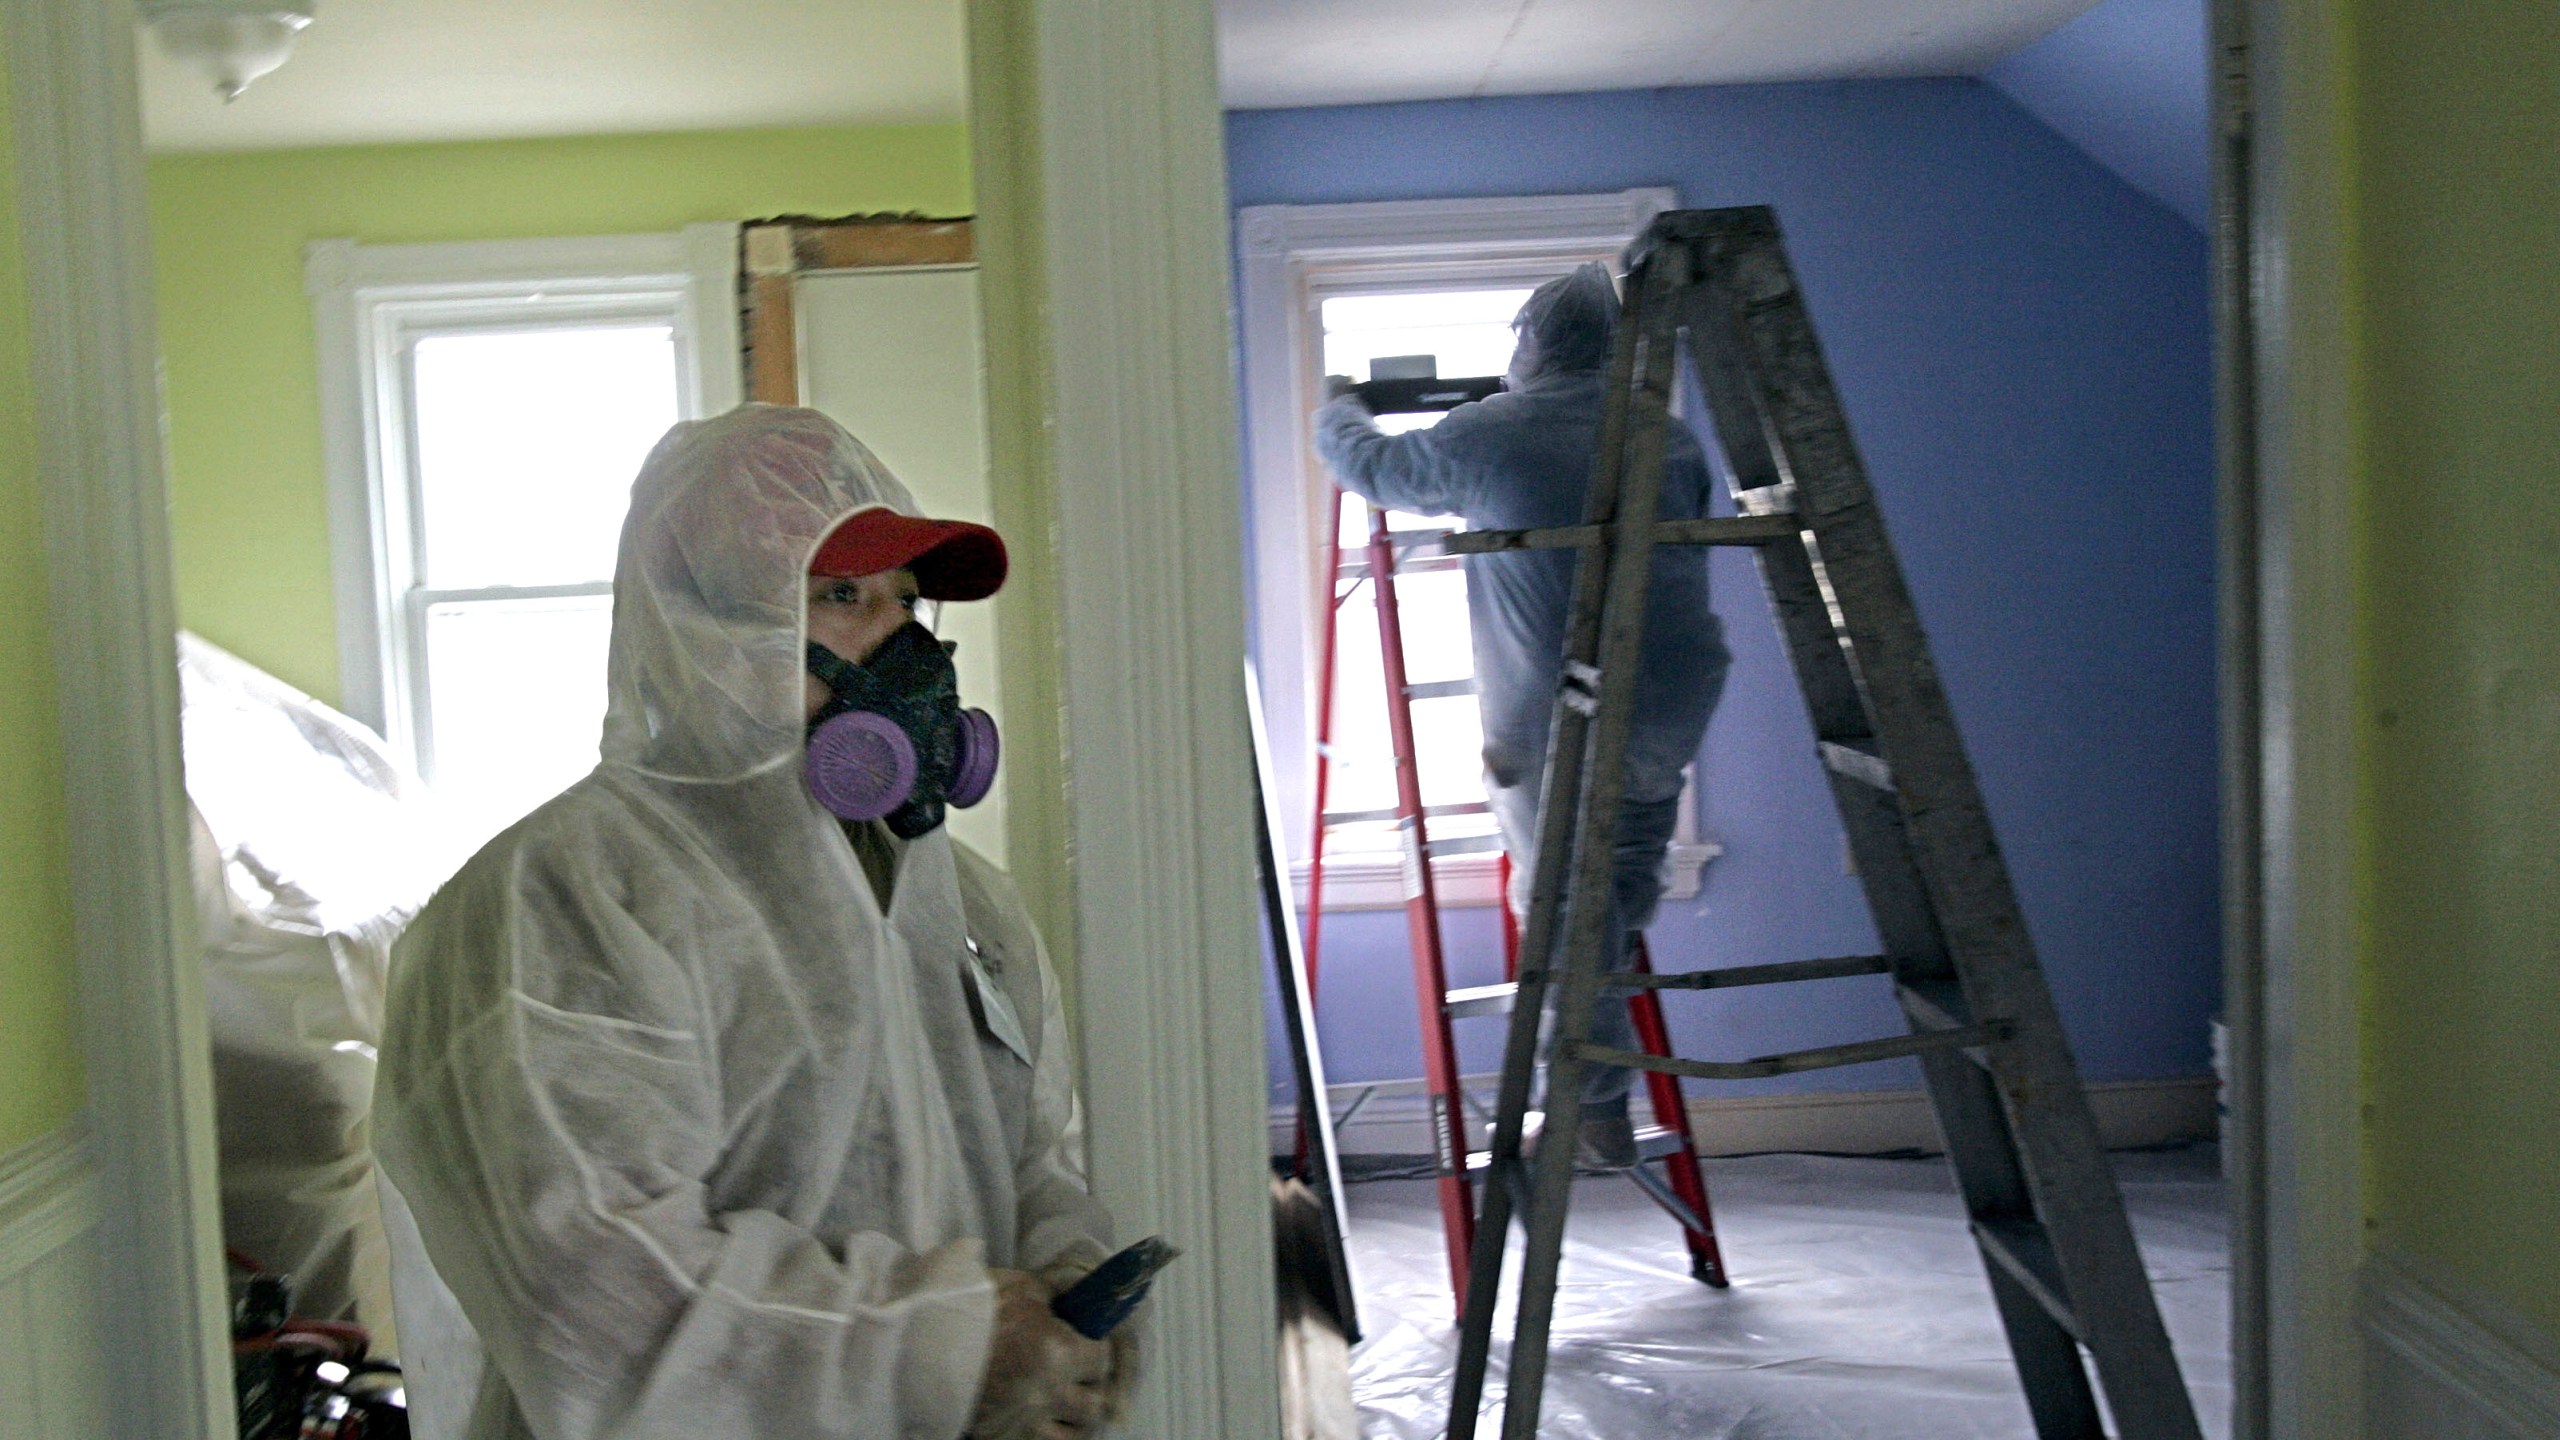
{"x": 1858, "y": 1309}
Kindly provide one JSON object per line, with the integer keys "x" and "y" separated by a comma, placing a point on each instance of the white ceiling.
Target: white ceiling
{"x": 1332, "y": 52}
{"x": 375, "y": 71}
{"x": 371, "y": 71}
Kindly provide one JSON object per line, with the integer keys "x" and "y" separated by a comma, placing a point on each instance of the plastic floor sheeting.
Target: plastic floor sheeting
{"x": 1858, "y": 1309}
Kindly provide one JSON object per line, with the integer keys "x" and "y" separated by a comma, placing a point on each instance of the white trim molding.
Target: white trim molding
{"x": 54, "y": 1379}
{"x": 1286, "y": 251}
{"x": 2450, "y": 1364}
{"x": 2308, "y": 1070}
{"x": 364, "y": 300}
{"x": 99, "y": 469}
{"x": 1100, "y": 148}
{"x": 48, "y": 1199}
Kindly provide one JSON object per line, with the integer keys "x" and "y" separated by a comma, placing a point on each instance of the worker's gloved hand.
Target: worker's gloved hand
{"x": 1124, "y": 1339}
{"x": 1044, "y": 1381}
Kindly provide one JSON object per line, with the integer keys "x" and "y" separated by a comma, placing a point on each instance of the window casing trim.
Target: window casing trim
{"x": 1290, "y": 258}
{"x": 370, "y": 303}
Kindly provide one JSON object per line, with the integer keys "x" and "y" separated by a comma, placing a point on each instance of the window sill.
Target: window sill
{"x": 1466, "y": 881}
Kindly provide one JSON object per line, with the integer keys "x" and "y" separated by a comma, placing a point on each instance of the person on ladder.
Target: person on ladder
{"x": 1523, "y": 459}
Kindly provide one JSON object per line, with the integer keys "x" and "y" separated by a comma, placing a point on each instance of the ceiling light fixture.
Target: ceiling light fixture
{"x": 232, "y": 41}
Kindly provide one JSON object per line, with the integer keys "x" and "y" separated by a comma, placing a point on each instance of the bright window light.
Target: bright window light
{"x": 1468, "y": 332}
{"x": 526, "y": 442}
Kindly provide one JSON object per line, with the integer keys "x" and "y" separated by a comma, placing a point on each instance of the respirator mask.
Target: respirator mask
{"x": 893, "y": 742}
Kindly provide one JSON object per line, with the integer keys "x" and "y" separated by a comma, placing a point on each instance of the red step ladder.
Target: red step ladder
{"x": 1680, "y": 1188}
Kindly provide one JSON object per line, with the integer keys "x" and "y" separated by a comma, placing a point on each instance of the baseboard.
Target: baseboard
{"x": 48, "y": 1198}
{"x": 1395, "y": 1118}
{"x": 2443, "y": 1362}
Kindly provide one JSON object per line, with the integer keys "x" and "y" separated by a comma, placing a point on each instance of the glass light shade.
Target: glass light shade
{"x": 232, "y": 41}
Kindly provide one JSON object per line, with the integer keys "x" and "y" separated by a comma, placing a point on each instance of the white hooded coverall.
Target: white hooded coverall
{"x": 701, "y": 1142}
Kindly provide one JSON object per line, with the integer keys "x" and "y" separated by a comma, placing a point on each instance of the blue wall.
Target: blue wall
{"x": 2022, "y": 342}
{"x": 2126, "y": 81}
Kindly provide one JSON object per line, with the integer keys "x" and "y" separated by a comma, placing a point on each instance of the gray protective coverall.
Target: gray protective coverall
{"x": 1520, "y": 460}
{"x": 701, "y": 1139}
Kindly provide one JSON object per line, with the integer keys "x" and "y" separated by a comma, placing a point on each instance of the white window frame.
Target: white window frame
{"x": 1292, "y": 258}
{"x": 370, "y": 303}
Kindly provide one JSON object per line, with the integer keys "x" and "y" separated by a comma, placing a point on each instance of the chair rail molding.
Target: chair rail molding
{"x": 2455, "y": 1362}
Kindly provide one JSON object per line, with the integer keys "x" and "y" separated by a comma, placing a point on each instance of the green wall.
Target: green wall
{"x": 249, "y": 509}
{"x": 2457, "y": 233}
{"x": 39, "y": 1061}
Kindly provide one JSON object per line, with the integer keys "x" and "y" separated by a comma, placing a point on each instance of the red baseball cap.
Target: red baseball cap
{"x": 952, "y": 559}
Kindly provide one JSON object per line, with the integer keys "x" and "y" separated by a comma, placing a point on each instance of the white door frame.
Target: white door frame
{"x": 2288, "y": 521}
{"x": 1100, "y": 170}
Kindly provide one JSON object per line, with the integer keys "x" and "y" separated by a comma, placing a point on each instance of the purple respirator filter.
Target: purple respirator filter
{"x": 862, "y": 766}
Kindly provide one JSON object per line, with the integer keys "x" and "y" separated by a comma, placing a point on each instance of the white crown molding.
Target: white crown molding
{"x": 95, "y": 345}
{"x": 2469, "y": 1348}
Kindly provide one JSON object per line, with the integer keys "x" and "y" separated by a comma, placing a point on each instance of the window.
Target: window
{"x": 1466, "y": 332}
{"x": 487, "y": 407}
{"x": 1327, "y": 289}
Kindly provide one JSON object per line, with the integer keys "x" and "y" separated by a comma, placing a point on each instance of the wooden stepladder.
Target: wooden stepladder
{"x": 2035, "y": 1182}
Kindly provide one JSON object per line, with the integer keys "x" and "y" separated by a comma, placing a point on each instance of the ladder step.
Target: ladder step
{"x": 1892, "y": 1047}
{"x": 1837, "y": 968}
{"x": 1863, "y": 766}
{"x": 1656, "y": 1142}
{"x": 1479, "y": 1000}
{"x": 1429, "y": 812}
{"x": 1416, "y": 551}
{"x": 1440, "y": 689}
{"x": 1724, "y": 530}
{"x": 1465, "y": 845}
{"x": 2022, "y": 1248}
{"x": 1356, "y": 567}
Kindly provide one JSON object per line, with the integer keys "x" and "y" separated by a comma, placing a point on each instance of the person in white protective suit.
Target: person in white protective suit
{"x": 1522, "y": 459}
{"x": 718, "y": 1114}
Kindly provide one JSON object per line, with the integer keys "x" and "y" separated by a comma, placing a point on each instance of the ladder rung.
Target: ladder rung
{"x": 1720, "y": 530}
{"x": 1429, "y": 812}
{"x": 2022, "y": 1248}
{"x": 1479, "y": 1000}
{"x": 1891, "y": 1047}
{"x": 1837, "y": 968}
{"x": 1465, "y": 845}
{"x": 1859, "y": 765}
{"x": 1357, "y": 567}
{"x": 1440, "y": 689}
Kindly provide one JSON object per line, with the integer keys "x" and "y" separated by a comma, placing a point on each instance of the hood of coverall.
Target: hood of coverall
{"x": 709, "y": 592}
{"x": 1566, "y": 328}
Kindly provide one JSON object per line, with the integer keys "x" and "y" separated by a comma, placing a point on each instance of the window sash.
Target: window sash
{"x": 372, "y": 303}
